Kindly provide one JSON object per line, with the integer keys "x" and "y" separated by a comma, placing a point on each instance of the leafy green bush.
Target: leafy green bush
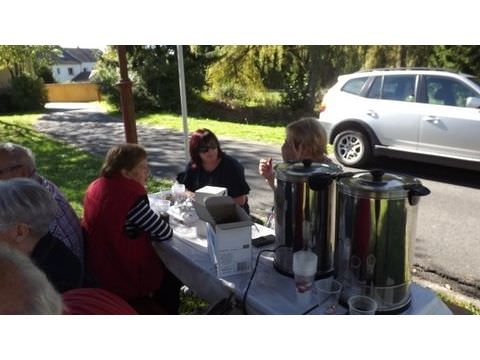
{"x": 45, "y": 72}
{"x": 27, "y": 93}
{"x": 107, "y": 78}
{"x": 153, "y": 71}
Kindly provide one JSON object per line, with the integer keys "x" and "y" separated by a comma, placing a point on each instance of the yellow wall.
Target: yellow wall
{"x": 72, "y": 92}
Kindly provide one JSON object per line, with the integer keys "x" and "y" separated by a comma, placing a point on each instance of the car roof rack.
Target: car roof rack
{"x": 409, "y": 68}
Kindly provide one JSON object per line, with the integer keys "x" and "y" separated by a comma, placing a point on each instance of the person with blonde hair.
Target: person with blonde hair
{"x": 305, "y": 139}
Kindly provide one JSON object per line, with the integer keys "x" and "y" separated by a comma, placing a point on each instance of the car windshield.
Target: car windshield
{"x": 475, "y": 80}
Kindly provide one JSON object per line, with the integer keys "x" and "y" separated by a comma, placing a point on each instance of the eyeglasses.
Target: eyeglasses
{"x": 8, "y": 169}
{"x": 205, "y": 148}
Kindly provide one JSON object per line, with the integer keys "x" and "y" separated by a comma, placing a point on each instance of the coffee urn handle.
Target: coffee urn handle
{"x": 415, "y": 191}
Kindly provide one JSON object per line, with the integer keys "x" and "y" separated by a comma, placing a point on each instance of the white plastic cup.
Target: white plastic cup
{"x": 361, "y": 305}
{"x": 328, "y": 295}
{"x": 160, "y": 205}
{"x": 304, "y": 269}
{"x": 178, "y": 193}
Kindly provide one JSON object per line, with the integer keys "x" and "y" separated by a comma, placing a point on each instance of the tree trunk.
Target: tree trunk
{"x": 314, "y": 72}
{"x": 402, "y": 56}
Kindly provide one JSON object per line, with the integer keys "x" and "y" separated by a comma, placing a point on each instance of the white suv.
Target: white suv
{"x": 415, "y": 113}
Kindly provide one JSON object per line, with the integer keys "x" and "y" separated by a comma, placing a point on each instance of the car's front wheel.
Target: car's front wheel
{"x": 352, "y": 148}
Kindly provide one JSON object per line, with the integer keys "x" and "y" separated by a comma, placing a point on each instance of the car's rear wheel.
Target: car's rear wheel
{"x": 352, "y": 148}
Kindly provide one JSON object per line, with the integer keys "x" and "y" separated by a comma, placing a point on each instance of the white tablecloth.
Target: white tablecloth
{"x": 270, "y": 292}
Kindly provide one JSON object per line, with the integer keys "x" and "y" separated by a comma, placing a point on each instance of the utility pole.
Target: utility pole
{"x": 183, "y": 100}
{"x": 126, "y": 98}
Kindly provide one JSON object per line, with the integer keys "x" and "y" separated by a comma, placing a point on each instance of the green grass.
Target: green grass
{"x": 261, "y": 133}
{"x": 465, "y": 305}
{"x": 273, "y": 135}
{"x": 70, "y": 169}
{"x": 191, "y": 304}
{"x": 109, "y": 108}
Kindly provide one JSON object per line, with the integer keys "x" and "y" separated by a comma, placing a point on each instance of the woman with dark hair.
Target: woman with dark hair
{"x": 209, "y": 165}
{"x": 119, "y": 226}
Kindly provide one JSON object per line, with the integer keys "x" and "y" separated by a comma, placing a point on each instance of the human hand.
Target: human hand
{"x": 265, "y": 168}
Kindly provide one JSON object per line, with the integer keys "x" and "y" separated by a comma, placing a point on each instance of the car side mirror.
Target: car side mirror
{"x": 473, "y": 102}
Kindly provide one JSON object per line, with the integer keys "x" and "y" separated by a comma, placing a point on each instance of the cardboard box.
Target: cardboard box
{"x": 208, "y": 191}
{"x": 200, "y": 196}
{"x": 229, "y": 234}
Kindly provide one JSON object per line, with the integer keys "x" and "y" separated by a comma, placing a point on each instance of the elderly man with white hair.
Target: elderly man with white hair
{"x": 26, "y": 211}
{"x": 18, "y": 161}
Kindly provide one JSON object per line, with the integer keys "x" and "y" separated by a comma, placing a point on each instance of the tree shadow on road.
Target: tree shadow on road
{"x": 79, "y": 116}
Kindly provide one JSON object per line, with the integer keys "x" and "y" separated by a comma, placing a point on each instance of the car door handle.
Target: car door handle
{"x": 431, "y": 119}
{"x": 372, "y": 113}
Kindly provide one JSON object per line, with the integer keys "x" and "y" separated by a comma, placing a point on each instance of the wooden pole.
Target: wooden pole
{"x": 126, "y": 98}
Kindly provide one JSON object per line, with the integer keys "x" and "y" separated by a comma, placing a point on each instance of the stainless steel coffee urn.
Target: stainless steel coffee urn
{"x": 375, "y": 229}
{"x": 304, "y": 213}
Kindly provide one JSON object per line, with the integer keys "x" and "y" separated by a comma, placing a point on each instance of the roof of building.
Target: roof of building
{"x": 76, "y": 56}
{"x": 83, "y": 76}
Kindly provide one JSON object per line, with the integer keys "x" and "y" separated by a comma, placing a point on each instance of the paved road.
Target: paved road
{"x": 91, "y": 130}
{"x": 447, "y": 249}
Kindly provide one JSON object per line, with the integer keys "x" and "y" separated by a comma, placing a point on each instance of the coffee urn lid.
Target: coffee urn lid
{"x": 301, "y": 171}
{"x": 377, "y": 184}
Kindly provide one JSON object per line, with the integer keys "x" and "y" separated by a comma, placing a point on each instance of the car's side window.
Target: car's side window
{"x": 399, "y": 87}
{"x": 374, "y": 91}
{"x": 354, "y": 86}
{"x": 445, "y": 91}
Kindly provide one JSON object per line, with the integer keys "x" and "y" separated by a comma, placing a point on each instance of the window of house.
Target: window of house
{"x": 58, "y": 71}
{"x": 70, "y": 71}
{"x": 84, "y": 69}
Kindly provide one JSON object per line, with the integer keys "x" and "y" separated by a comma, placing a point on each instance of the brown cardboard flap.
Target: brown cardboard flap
{"x": 222, "y": 212}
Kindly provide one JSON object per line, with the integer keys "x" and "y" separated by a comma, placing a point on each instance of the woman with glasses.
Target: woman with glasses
{"x": 209, "y": 165}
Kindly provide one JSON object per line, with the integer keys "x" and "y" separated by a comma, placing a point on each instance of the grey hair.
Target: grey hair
{"x": 20, "y": 153}
{"x": 35, "y": 295}
{"x": 23, "y": 200}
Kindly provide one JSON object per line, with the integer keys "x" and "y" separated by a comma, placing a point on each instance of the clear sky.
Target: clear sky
{"x": 238, "y": 22}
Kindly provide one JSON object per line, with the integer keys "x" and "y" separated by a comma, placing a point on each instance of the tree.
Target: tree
{"x": 26, "y": 59}
{"x": 240, "y": 71}
{"x": 153, "y": 70}
{"x": 300, "y": 71}
{"x": 461, "y": 58}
